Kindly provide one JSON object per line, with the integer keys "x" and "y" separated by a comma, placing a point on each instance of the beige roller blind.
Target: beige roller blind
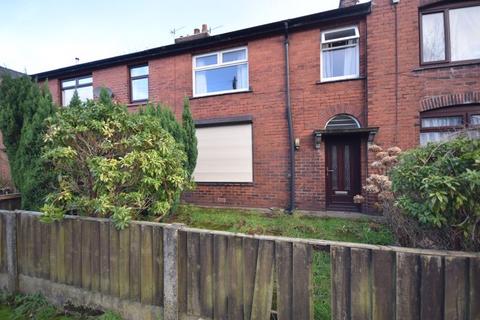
{"x": 224, "y": 154}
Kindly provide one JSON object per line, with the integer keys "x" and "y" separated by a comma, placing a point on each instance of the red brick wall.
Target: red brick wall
{"x": 394, "y": 101}
{"x": 416, "y": 84}
{"x": 314, "y": 104}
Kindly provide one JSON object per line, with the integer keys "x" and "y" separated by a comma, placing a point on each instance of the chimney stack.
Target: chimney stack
{"x": 197, "y": 34}
{"x": 347, "y": 3}
{"x": 204, "y": 28}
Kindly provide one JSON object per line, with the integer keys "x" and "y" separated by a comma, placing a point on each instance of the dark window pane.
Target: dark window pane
{"x": 234, "y": 55}
{"x": 346, "y": 171}
{"x": 339, "y": 34}
{"x": 139, "y": 71}
{"x": 221, "y": 79}
{"x": 334, "y": 168}
{"x": 342, "y": 121}
{"x": 140, "y": 89}
{"x": 464, "y": 33}
{"x": 433, "y": 36}
{"x": 206, "y": 60}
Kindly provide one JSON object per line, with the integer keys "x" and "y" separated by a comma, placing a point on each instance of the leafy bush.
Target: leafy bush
{"x": 183, "y": 134}
{"x": 439, "y": 186}
{"x": 34, "y": 307}
{"x": 378, "y": 182}
{"x": 24, "y": 106}
{"x": 111, "y": 163}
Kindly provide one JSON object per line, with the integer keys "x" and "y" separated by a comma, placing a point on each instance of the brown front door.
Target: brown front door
{"x": 342, "y": 172}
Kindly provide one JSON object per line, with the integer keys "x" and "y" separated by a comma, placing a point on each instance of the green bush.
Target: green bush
{"x": 183, "y": 134}
{"x": 111, "y": 163}
{"x": 190, "y": 138}
{"x": 439, "y": 186}
{"x": 34, "y": 307}
{"x": 24, "y": 106}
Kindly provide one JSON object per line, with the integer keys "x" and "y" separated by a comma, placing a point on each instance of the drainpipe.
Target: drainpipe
{"x": 396, "y": 71}
{"x": 291, "y": 138}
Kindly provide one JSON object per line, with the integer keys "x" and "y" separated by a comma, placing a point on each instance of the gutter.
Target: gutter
{"x": 291, "y": 138}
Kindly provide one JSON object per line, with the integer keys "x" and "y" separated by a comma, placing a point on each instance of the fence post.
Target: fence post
{"x": 11, "y": 237}
{"x": 170, "y": 272}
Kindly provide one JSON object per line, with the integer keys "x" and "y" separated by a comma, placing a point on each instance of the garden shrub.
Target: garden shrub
{"x": 190, "y": 138}
{"x": 439, "y": 186}
{"x": 111, "y": 163}
{"x": 24, "y": 106}
{"x": 34, "y": 307}
{"x": 183, "y": 134}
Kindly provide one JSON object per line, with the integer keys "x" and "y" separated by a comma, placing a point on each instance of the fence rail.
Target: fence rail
{"x": 11, "y": 201}
{"x": 153, "y": 270}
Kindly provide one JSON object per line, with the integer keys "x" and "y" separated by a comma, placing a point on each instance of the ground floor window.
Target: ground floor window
{"x": 440, "y": 124}
{"x": 224, "y": 154}
{"x": 83, "y": 86}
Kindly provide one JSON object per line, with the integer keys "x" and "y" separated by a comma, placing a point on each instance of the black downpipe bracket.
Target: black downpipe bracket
{"x": 291, "y": 205}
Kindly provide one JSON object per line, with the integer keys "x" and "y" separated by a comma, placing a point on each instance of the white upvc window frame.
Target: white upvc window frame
{"x": 219, "y": 64}
{"x": 323, "y": 41}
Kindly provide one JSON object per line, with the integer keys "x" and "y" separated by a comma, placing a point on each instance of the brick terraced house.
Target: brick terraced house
{"x": 285, "y": 111}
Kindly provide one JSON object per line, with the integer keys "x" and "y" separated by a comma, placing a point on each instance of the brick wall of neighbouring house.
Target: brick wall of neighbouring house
{"x": 417, "y": 87}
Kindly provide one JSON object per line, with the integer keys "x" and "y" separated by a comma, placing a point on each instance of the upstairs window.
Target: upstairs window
{"x": 220, "y": 72}
{"x": 450, "y": 35}
{"x": 139, "y": 83}
{"x": 340, "y": 54}
{"x": 440, "y": 125}
{"x": 83, "y": 86}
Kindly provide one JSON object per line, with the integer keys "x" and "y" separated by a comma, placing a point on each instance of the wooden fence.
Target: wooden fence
{"x": 10, "y": 201}
{"x": 152, "y": 271}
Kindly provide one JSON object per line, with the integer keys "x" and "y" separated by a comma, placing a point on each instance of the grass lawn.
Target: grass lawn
{"x": 6, "y": 312}
{"x": 252, "y": 222}
{"x": 35, "y": 306}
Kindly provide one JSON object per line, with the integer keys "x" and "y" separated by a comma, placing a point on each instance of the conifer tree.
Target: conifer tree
{"x": 75, "y": 102}
{"x": 24, "y": 106}
{"x": 190, "y": 138}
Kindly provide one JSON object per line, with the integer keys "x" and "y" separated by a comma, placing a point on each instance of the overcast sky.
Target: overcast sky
{"x": 43, "y": 35}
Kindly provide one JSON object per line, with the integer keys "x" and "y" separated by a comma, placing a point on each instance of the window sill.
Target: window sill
{"x": 244, "y": 184}
{"x": 339, "y": 80}
{"x": 138, "y": 103}
{"x": 447, "y": 65}
{"x": 220, "y": 94}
